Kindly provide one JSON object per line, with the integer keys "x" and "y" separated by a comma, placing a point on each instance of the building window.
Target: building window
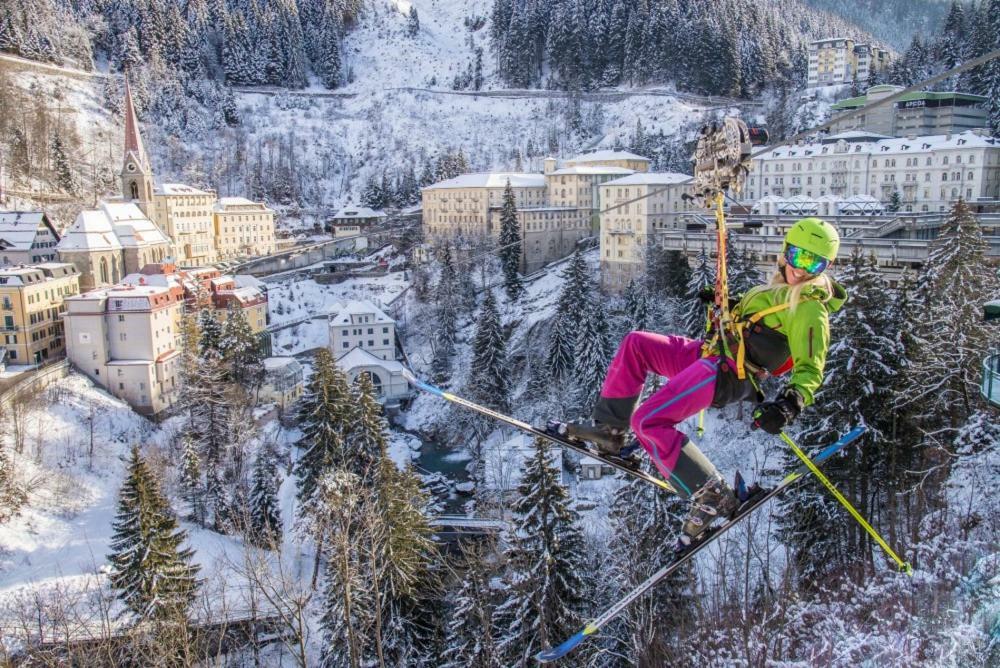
{"x": 346, "y": 344}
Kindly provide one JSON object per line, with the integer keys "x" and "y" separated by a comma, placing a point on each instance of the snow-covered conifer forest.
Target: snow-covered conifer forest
{"x": 216, "y": 537}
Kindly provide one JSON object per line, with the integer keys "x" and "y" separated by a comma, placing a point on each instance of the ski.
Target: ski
{"x": 576, "y": 446}
{"x": 755, "y": 501}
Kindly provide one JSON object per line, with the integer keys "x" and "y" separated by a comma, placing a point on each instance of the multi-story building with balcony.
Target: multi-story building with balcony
{"x": 26, "y": 237}
{"x": 126, "y": 339}
{"x": 31, "y": 303}
{"x": 628, "y": 227}
{"x": 840, "y": 60}
{"x": 929, "y": 173}
{"x": 363, "y": 341}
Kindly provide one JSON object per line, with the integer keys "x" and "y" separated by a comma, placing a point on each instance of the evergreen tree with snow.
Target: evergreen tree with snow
{"x": 652, "y": 631}
{"x": 544, "y": 586}
{"x": 469, "y": 633}
{"x": 192, "y": 487}
{"x": 412, "y": 22}
{"x": 702, "y": 276}
{"x": 210, "y": 334}
{"x": 241, "y": 350}
{"x": 591, "y": 357}
{"x": 669, "y": 273}
{"x": 489, "y": 379}
{"x": 951, "y": 336}
{"x": 65, "y": 178}
{"x": 265, "y": 515}
{"x": 743, "y": 273}
{"x": 575, "y": 292}
{"x": 510, "y": 249}
{"x": 150, "y": 572}
{"x": 368, "y": 438}
{"x": 636, "y": 307}
{"x": 325, "y": 416}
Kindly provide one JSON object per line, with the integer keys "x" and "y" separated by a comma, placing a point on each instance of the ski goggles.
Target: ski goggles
{"x": 807, "y": 261}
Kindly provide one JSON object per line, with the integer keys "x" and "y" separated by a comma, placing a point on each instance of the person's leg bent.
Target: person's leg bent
{"x": 642, "y": 352}
{"x": 678, "y": 460}
{"x": 638, "y": 354}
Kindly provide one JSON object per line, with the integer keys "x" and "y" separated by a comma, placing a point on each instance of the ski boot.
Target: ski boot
{"x": 607, "y": 440}
{"x": 711, "y": 501}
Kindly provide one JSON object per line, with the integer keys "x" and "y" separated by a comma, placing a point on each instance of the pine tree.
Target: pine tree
{"x": 565, "y": 329}
{"x": 265, "y": 515}
{"x": 150, "y": 572}
{"x": 668, "y": 272}
{"x": 412, "y": 22}
{"x": 742, "y": 270}
{"x": 325, "y": 417}
{"x": 240, "y": 349}
{"x": 192, "y": 488}
{"x": 60, "y": 163}
{"x": 646, "y": 525}
{"x": 951, "y": 335}
{"x": 469, "y": 632}
{"x": 210, "y": 332}
{"x": 591, "y": 356}
{"x": 489, "y": 382}
{"x": 544, "y": 585}
{"x": 369, "y": 434}
{"x": 703, "y": 275}
{"x": 636, "y": 307}
{"x": 510, "y": 250}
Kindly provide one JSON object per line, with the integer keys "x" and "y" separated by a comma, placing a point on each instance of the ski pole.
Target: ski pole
{"x": 904, "y": 566}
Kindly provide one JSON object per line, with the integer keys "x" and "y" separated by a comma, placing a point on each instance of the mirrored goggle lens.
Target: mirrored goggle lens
{"x": 807, "y": 261}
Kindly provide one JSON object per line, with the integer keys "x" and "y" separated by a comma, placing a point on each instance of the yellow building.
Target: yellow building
{"x": 631, "y": 227}
{"x": 461, "y": 207}
{"x": 243, "y": 228}
{"x": 839, "y": 60}
{"x": 623, "y": 159}
{"x": 31, "y": 301}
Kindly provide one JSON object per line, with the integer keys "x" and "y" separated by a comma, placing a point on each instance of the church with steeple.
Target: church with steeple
{"x": 185, "y": 225}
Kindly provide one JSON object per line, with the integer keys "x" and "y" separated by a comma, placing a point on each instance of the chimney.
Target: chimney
{"x": 550, "y": 165}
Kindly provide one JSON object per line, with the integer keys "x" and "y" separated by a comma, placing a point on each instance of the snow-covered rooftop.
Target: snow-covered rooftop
{"x": 890, "y": 145}
{"x": 492, "y": 180}
{"x": 19, "y": 228}
{"x": 275, "y": 363}
{"x": 224, "y": 203}
{"x": 349, "y": 212}
{"x": 592, "y": 169}
{"x": 596, "y": 156}
{"x": 178, "y": 189}
{"x": 112, "y": 226}
{"x": 649, "y": 179}
{"x": 357, "y": 357}
{"x": 343, "y": 312}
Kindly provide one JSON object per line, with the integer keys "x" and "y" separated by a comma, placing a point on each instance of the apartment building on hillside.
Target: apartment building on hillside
{"x": 126, "y": 339}
{"x": 243, "y": 228}
{"x": 31, "y": 303}
{"x": 629, "y": 229}
{"x": 839, "y": 60}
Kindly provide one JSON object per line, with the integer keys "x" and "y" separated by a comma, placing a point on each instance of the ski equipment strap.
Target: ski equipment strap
{"x": 722, "y": 162}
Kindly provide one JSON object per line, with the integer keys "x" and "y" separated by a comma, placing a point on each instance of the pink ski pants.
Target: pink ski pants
{"x": 689, "y": 388}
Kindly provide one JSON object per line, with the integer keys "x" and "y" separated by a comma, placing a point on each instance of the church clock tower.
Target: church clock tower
{"x": 136, "y": 174}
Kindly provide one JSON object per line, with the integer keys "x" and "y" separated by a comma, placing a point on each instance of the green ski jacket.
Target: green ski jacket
{"x": 797, "y": 340}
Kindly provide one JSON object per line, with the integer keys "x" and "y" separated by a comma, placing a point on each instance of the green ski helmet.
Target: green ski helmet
{"x": 814, "y": 235}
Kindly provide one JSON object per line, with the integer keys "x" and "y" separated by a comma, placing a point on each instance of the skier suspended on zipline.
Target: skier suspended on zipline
{"x": 785, "y": 328}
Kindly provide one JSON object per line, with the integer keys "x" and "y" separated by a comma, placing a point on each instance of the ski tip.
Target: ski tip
{"x": 556, "y": 653}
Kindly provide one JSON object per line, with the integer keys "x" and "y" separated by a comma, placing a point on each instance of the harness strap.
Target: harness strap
{"x": 744, "y": 324}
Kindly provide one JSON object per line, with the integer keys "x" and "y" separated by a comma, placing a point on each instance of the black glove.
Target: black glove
{"x": 773, "y": 416}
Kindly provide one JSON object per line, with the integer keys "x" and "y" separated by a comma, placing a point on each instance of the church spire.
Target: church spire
{"x": 133, "y": 140}
{"x": 137, "y": 173}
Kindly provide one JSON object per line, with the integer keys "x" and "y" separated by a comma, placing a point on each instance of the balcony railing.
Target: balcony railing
{"x": 991, "y": 379}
